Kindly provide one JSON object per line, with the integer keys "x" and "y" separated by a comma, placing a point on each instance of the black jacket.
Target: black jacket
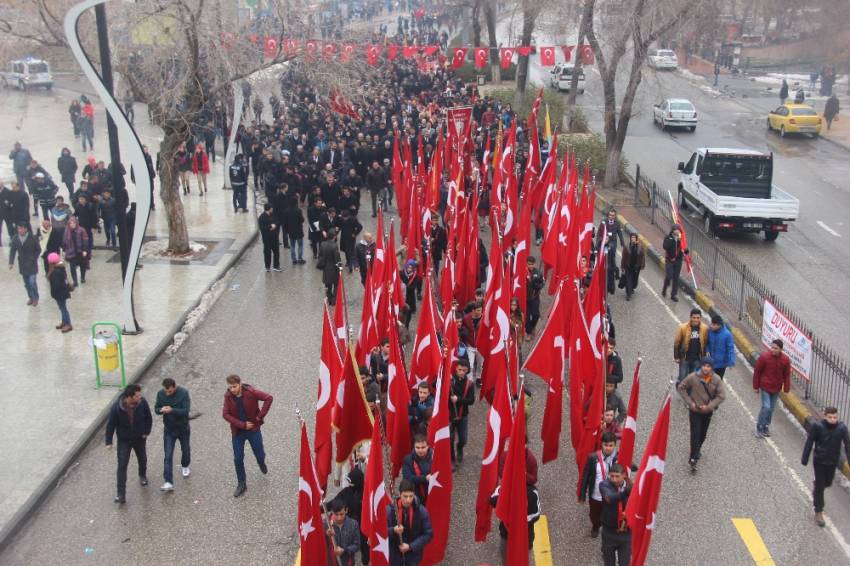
{"x": 826, "y": 440}
{"x": 119, "y": 422}
{"x": 348, "y": 233}
{"x": 416, "y": 469}
{"x": 673, "y": 251}
{"x": 292, "y": 222}
{"x": 465, "y": 391}
{"x": 612, "y": 498}
{"x": 439, "y": 242}
{"x": 67, "y": 166}
{"x": 269, "y": 234}
{"x": 59, "y": 283}
{"x": 362, "y": 249}
{"x": 614, "y": 368}
{"x": 15, "y": 205}
{"x": 27, "y": 253}
{"x": 417, "y": 532}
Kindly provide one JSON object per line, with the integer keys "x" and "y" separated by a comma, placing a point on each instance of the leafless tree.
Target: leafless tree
{"x": 37, "y": 21}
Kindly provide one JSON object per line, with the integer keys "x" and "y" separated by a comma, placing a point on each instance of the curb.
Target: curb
{"x": 34, "y": 501}
{"x": 836, "y": 143}
{"x": 796, "y": 406}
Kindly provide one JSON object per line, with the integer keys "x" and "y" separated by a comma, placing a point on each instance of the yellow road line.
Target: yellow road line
{"x": 542, "y": 548}
{"x": 298, "y": 558}
{"x": 752, "y": 539}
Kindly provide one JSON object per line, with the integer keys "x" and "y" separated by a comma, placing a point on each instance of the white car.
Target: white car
{"x": 663, "y": 59}
{"x": 677, "y": 112}
{"x": 561, "y": 75}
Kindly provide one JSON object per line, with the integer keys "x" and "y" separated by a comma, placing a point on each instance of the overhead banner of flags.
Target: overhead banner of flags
{"x": 456, "y": 56}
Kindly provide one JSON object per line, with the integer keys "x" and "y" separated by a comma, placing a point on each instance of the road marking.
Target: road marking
{"x": 542, "y": 548}
{"x": 298, "y": 558}
{"x": 823, "y": 225}
{"x": 797, "y": 480}
{"x": 752, "y": 539}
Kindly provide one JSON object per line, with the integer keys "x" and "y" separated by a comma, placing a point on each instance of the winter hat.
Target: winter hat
{"x": 53, "y": 258}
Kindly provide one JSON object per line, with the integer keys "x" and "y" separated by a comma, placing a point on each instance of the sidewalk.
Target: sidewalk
{"x": 839, "y": 134}
{"x": 51, "y": 402}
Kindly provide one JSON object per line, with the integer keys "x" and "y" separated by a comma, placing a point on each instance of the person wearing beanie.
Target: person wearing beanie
{"x": 59, "y": 290}
{"x": 702, "y": 392}
{"x": 771, "y": 375}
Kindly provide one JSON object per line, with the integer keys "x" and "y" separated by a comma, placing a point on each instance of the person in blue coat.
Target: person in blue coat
{"x": 409, "y": 527}
{"x": 720, "y": 346}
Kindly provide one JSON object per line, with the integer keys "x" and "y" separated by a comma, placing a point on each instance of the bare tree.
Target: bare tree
{"x": 531, "y": 9}
{"x": 36, "y": 21}
{"x": 491, "y": 19}
{"x": 643, "y": 24}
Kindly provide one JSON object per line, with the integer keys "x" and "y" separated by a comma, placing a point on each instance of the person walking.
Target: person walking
{"x": 825, "y": 437}
{"x": 329, "y": 263}
{"x": 20, "y": 158}
{"x": 365, "y": 252}
{"x": 689, "y": 344}
{"x": 74, "y": 111}
{"x": 409, "y": 527}
{"x": 674, "y": 255}
{"x": 201, "y": 168}
{"x": 771, "y": 375}
{"x": 270, "y": 232}
{"x": 702, "y": 392}
{"x": 67, "y": 165}
{"x": 130, "y": 421}
{"x": 85, "y": 124}
{"x": 342, "y": 534}
{"x": 183, "y": 165}
{"x": 596, "y": 470}
{"x": 60, "y": 291}
{"x": 461, "y": 398}
{"x": 632, "y": 263}
{"x": 830, "y": 110}
{"x": 292, "y": 224}
{"x": 243, "y": 411}
{"x": 616, "y": 535}
{"x": 376, "y": 182}
{"x": 348, "y": 232}
{"x": 720, "y": 346}
{"x": 27, "y": 249}
{"x": 75, "y": 243}
{"x": 173, "y": 403}
{"x": 783, "y": 92}
{"x": 14, "y": 207}
{"x": 238, "y": 172}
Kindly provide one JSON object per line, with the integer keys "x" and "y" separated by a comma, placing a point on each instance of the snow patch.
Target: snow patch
{"x": 199, "y": 313}
{"x": 159, "y": 249}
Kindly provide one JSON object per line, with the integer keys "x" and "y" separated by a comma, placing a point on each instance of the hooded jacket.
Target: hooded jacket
{"x": 721, "y": 347}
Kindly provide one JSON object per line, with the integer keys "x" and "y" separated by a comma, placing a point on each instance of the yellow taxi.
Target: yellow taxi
{"x": 795, "y": 119}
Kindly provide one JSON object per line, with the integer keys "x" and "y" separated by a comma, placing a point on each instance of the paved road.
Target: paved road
{"x": 266, "y": 328}
{"x": 803, "y": 266}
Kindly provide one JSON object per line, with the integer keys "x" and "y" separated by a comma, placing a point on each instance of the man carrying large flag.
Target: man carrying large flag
{"x": 309, "y": 508}
{"x": 398, "y": 399}
{"x": 330, "y": 372}
{"x": 352, "y": 418}
{"x": 373, "y": 514}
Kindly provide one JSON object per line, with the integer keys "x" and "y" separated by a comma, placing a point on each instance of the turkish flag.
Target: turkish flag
{"x": 568, "y": 52}
{"x": 480, "y": 56}
{"x": 458, "y": 57}
{"x": 312, "y": 48}
{"x": 439, "y": 503}
{"x": 254, "y": 38}
{"x": 646, "y": 488}
{"x": 330, "y": 374}
{"x": 367, "y": 338}
{"x": 352, "y": 418}
{"x": 270, "y": 47}
{"x": 398, "y": 400}
{"x": 627, "y": 442}
{"x": 392, "y": 52}
{"x": 329, "y": 50}
{"x": 419, "y": 13}
{"x": 310, "y": 531}
{"x": 506, "y": 54}
{"x": 499, "y": 424}
{"x": 547, "y": 56}
{"x": 346, "y": 53}
{"x": 586, "y": 54}
{"x": 546, "y": 359}
{"x": 341, "y": 316}
{"x": 525, "y": 50}
{"x": 373, "y": 515}
{"x": 512, "y": 505}
{"x": 290, "y": 47}
{"x": 447, "y": 281}
{"x": 373, "y": 52}
{"x": 519, "y": 287}
{"x": 408, "y": 51}
{"x": 430, "y": 49}
{"x": 227, "y": 39}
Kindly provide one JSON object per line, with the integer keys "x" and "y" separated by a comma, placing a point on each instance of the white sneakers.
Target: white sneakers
{"x": 186, "y": 472}
{"x": 167, "y": 486}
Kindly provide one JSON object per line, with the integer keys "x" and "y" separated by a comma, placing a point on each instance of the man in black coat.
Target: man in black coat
{"x": 826, "y": 437}
{"x": 349, "y": 230}
{"x": 409, "y": 527}
{"x": 14, "y": 207}
{"x": 130, "y": 420}
{"x": 26, "y": 247}
{"x": 269, "y": 230}
{"x": 674, "y": 255}
{"x": 365, "y": 252}
{"x": 376, "y": 182}
{"x": 616, "y": 536}
{"x": 292, "y": 224}
{"x": 438, "y": 242}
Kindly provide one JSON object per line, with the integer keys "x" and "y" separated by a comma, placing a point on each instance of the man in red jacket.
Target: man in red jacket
{"x": 242, "y": 410}
{"x": 772, "y": 374}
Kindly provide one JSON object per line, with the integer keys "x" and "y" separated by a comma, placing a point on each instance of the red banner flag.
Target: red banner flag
{"x": 352, "y": 417}
{"x": 505, "y": 55}
{"x": 346, "y": 53}
{"x": 627, "y": 442}
{"x": 341, "y": 316}
{"x": 512, "y": 505}
{"x": 458, "y": 57}
{"x": 430, "y": 50}
{"x": 290, "y": 47}
{"x": 586, "y": 54}
{"x": 312, "y": 48}
{"x": 310, "y": 531}
{"x": 547, "y": 56}
{"x": 481, "y": 57}
{"x": 398, "y": 400}
{"x": 330, "y": 373}
{"x": 373, "y": 53}
{"x": 568, "y": 52}
{"x": 329, "y": 50}
{"x": 270, "y": 47}
{"x": 525, "y": 50}
{"x": 392, "y": 52}
{"x": 373, "y": 516}
{"x": 425, "y": 358}
{"x": 646, "y": 489}
{"x": 409, "y": 51}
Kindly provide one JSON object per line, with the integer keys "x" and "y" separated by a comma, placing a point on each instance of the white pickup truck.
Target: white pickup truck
{"x": 27, "y": 73}
{"x": 733, "y": 190}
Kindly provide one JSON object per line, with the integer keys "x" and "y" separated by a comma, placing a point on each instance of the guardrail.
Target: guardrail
{"x": 740, "y": 291}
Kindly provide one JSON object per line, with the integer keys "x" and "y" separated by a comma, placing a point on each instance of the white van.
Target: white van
{"x": 561, "y": 75}
{"x": 26, "y": 73}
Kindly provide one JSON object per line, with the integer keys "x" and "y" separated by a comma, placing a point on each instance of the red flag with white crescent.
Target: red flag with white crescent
{"x": 568, "y": 52}
{"x": 398, "y": 400}
{"x": 346, "y": 52}
{"x": 481, "y": 56}
{"x": 547, "y": 56}
{"x": 373, "y": 53}
{"x": 505, "y": 55}
{"x": 512, "y": 504}
{"x": 270, "y": 47}
{"x": 425, "y": 358}
{"x": 627, "y": 442}
{"x": 458, "y": 57}
{"x": 310, "y": 532}
{"x": 586, "y": 54}
{"x": 330, "y": 374}
{"x": 373, "y": 515}
{"x": 352, "y": 417}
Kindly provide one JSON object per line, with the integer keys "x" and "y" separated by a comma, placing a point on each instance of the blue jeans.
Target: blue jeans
{"x": 31, "y": 285}
{"x": 293, "y": 244}
{"x": 686, "y": 368}
{"x": 169, "y": 439}
{"x": 63, "y": 310}
{"x": 255, "y": 439}
{"x": 768, "y": 404}
{"x": 109, "y": 227}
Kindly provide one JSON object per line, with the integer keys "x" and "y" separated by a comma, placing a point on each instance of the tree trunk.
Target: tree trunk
{"x": 586, "y": 15}
{"x": 529, "y": 18}
{"x": 169, "y": 181}
{"x": 476, "y": 23}
{"x": 614, "y": 143}
{"x": 490, "y": 17}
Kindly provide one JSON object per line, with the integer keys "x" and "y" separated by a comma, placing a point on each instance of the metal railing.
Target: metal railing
{"x": 738, "y": 290}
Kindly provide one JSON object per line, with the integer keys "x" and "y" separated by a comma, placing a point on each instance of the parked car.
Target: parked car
{"x": 677, "y": 112}
{"x": 733, "y": 190}
{"x": 795, "y": 119}
{"x": 663, "y": 59}
{"x": 27, "y": 73}
{"x": 561, "y": 75}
